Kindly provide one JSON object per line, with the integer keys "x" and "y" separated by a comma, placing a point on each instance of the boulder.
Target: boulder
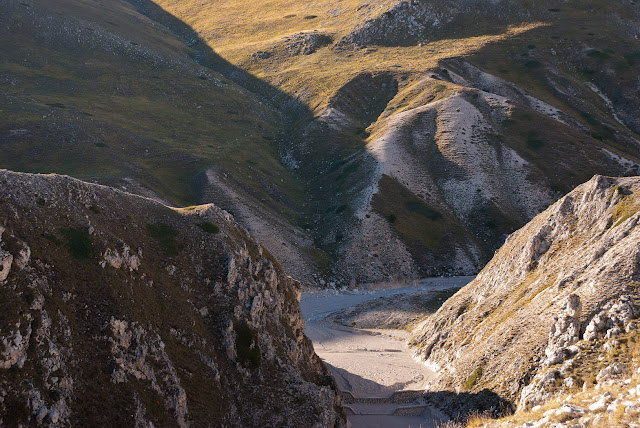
{"x": 614, "y": 372}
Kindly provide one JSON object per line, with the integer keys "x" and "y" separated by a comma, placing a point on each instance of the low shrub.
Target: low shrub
{"x": 166, "y": 236}
{"x": 78, "y": 242}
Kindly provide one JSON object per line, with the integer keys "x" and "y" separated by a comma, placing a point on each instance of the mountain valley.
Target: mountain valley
{"x": 332, "y": 147}
{"x": 353, "y": 162}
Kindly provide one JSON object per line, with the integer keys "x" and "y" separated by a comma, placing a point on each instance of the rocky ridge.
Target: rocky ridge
{"x": 121, "y": 311}
{"x": 439, "y": 186}
{"x": 559, "y": 293}
{"x": 414, "y": 21}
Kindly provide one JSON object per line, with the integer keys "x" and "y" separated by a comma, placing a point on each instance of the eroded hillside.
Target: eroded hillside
{"x": 561, "y": 295}
{"x": 359, "y": 141}
{"x": 100, "y": 92}
{"x": 437, "y": 128}
{"x": 120, "y": 311}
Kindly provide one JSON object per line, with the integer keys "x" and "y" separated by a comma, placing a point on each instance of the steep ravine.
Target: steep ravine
{"x": 120, "y": 311}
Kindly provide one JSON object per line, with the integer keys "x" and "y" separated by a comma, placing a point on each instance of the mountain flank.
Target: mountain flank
{"x": 358, "y": 141}
{"x": 554, "y": 308}
{"x": 121, "y": 311}
{"x": 433, "y": 131}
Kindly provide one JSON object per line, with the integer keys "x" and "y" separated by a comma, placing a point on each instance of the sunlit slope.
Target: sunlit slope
{"x": 439, "y": 127}
{"x": 358, "y": 141}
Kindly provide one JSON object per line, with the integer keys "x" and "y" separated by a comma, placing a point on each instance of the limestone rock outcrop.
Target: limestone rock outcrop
{"x": 117, "y": 310}
{"x": 561, "y": 290}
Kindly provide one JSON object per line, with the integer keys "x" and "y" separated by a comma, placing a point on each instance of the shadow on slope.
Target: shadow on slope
{"x": 96, "y": 92}
{"x": 460, "y": 407}
{"x": 207, "y": 57}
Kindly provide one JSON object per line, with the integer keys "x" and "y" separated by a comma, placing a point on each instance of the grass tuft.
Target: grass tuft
{"x": 247, "y": 345}
{"x": 626, "y": 208}
{"x": 472, "y": 379}
{"x": 209, "y": 227}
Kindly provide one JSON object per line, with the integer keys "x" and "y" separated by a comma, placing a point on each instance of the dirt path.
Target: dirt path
{"x": 373, "y": 366}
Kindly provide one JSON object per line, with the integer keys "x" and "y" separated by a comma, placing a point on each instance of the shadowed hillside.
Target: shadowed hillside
{"x": 121, "y": 311}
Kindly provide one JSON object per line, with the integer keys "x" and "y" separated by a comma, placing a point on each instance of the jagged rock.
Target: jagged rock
{"x": 623, "y": 311}
{"x": 569, "y": 382}
{"x": 6, "y": 260}
{"x": 514, "y": 306}
{"x": 15, "y": 348}
{"x": 565, "y": 331}
{"x": 305, "y": 43}
{"x": 599, "y": 405}
{"x": 115, "y": 260}
{"x": 608, "y": 320}
{"x": 206, "y": 331}
{"x": 261, "y": 55}
{"x": 597, "y": 325}
{"x": 614, "y": 372}
{"x": 538, "y": 391}
{"x": 572, "y": 410}
{"x": 633, "y": 409}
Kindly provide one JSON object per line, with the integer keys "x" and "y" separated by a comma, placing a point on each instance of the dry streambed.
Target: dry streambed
{"x": 362, "y": 336}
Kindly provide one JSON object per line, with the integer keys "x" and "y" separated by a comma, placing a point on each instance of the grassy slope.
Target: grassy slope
{"x": 81, "y": 102}
{"x": 237, "y": 29}
{"x": 516, "y": 49}
{"x": 177, "y": 125}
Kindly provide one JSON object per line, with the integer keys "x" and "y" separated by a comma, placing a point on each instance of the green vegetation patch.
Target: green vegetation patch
{"x": 473, "y": 379}
{"x": 533, "y": 64}
{"x": 209, "y": 227}
{"x": 423, "y": 209}
{"x": 347, "y": 171}
{"x": 439, "y": 88}
{"x": 632, "y": 58}
{"x": 598, "y": 54}
{"x": 247, "y": 345}
{"x": 52, "y": 238}
{"x": 78, "y": 242}
{"x": 627, "y": 207}
{"x": 588, "y": 117}
{"x": 166, "y": 236}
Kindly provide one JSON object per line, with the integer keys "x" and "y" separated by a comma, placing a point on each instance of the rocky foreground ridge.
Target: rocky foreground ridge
{"x": 554, "y": 311}
{"x": 119, "y": 311}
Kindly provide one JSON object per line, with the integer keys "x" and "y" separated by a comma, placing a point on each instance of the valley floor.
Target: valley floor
{"x": 362, "y": 336}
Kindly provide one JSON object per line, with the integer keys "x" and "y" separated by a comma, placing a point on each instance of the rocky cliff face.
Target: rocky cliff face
{"x": 410, "y": 22}
{"x": 549, "y": 304}
{"x": 120, "y": 311}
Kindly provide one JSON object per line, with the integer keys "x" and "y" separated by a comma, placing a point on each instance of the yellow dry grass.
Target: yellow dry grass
{"x": 237, "y": 29}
